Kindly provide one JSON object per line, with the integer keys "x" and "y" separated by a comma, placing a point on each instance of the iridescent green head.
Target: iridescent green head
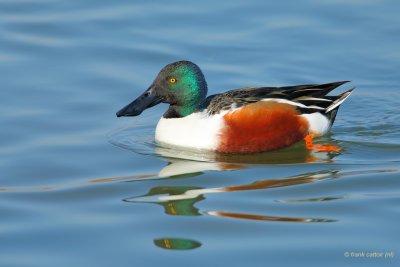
{"x": 180, "y": 84}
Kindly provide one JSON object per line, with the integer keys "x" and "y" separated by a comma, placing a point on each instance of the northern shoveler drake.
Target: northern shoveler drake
{"x": 245, "y": 120}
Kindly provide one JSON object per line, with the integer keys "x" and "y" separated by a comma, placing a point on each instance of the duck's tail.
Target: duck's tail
{"x": 333, "y": 108}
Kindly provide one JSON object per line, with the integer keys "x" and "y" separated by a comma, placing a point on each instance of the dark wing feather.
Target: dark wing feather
{"x": 311, "y": 95}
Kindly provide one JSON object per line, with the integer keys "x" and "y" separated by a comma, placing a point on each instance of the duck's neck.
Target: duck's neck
{"x": 175, "y": 111}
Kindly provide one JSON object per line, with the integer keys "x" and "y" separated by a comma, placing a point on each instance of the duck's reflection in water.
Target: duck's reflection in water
{"x": 178, "y": 200}
{"x": 265, "y": 218}
{"x": 176, "y": 243}
{"x": 182, "y": 162}
{"x": 177, "y": 167}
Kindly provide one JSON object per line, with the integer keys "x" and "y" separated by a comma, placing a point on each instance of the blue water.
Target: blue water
{"x": 79, "y": 187}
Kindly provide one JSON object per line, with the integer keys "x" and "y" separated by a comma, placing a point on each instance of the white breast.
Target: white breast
{"x": 198, "y": 131}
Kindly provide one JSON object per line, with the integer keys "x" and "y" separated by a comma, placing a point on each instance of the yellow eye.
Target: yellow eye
{"x": 172, "y": 80}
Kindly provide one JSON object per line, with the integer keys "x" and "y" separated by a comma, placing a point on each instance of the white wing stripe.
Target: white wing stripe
{"x": 339, "y": 101}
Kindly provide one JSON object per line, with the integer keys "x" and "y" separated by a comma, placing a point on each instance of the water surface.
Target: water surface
{"x": 80, "y": 187}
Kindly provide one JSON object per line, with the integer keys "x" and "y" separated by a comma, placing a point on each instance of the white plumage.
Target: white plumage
{"x": 198, "y": 131}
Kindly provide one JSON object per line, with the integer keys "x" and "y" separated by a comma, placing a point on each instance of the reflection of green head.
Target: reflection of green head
{"x": 183, "y": 207}
{"x": 176, "y": 243}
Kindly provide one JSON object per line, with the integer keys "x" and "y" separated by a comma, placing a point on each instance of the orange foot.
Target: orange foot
{"x": 322, "y": 148}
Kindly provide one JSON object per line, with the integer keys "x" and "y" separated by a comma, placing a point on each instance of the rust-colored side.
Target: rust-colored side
{"x": 261, "y": 126}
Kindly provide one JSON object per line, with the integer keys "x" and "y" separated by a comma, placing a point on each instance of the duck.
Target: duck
{"x": 240, "y": 121}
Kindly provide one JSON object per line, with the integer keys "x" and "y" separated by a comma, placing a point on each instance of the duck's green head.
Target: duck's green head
{"x": 180, "y": 84}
